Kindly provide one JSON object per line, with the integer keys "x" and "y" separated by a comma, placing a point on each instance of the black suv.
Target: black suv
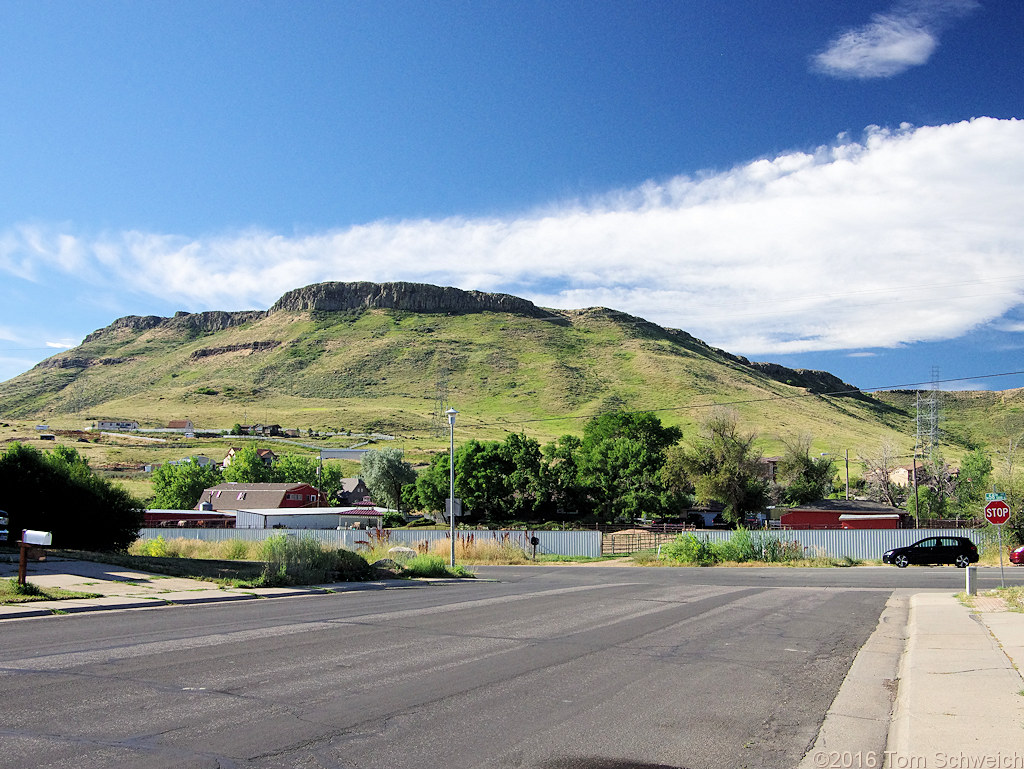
{"x": 959, "y": 551}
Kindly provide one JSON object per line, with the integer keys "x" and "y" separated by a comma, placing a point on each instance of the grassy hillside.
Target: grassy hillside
{"x": 969, "y": 419}
{"x": 377, "y": 370}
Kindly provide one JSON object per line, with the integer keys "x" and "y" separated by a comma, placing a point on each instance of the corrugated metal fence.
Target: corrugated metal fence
{"x": 862, "y": 544}
{"x": 585, "y": 543}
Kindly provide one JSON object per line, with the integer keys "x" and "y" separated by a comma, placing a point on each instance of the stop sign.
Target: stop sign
{"x": 997, "y": 512}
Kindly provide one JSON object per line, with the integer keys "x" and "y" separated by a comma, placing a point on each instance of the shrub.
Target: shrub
{"x": 291, "y": 561}
{"x": 741, "y": 547}
{"x": 155, "y": 548}
{"x": 688, "y": 548}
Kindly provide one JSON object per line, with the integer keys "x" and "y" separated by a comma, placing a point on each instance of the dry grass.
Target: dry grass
{"x": 469, "y": 549}
{"x": 182, "y": 547}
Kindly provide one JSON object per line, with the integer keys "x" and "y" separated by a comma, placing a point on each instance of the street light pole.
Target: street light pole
{"x": 451, "y": 481}
{"x": 847, "y": 475}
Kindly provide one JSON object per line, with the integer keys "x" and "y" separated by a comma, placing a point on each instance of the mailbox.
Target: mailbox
{"x": 30, "y": 537}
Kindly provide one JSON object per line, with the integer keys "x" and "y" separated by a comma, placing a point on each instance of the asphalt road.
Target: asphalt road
{"x": 554, "y": 668}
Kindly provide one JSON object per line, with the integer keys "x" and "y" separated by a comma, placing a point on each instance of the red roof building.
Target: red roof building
{"x": 259, "y": 496}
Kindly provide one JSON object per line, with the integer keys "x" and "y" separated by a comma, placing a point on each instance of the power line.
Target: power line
{"x": 694, "y": 407}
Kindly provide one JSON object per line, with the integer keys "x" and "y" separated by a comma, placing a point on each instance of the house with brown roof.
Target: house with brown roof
{"x": 268, "y": 456}
{"x": 353, "y": 491}
{"x": 180, "y": 424}
{"x": 258, "y": 496}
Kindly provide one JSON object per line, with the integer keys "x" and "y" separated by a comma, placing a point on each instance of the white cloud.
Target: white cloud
{"x": 63, "y": 345}
{"x": 893, "y": 42}
{"x": 911, "y": 234}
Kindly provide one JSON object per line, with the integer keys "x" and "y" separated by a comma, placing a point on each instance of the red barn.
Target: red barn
{"x": 830, "y": 514}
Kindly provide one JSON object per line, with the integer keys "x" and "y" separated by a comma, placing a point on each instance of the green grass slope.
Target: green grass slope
{"x": 378, "y": 369}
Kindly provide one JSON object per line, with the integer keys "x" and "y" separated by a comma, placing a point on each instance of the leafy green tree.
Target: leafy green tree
{"x": 723, "y": 466}
{"x": 972, "y": 482}
{"x": 331, "y": 476}
{"x": 432, "y": 485}
{"x": 179, "y": 486}
{"x": 296, "y": 468}
{"x": 620, "y": 463}
{"x": 560, "y": 476}
{"x": 57, "y": 491}
{"x": 247, "y": 466}
{"x": 802, "y": 478}
{"x": 385, "y": 473}
{"x": 927, "y": 502}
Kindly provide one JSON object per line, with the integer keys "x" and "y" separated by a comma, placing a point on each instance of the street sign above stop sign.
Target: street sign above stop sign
{"x": 997, "y": 512}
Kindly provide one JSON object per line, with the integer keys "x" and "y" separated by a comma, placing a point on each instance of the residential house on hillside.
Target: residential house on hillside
{"x": 268, "y": 456}
{"x": 770, "y": 467}
{"x": 258, "y": 496}
{"x": 113, "y": 424}
{"x": 904, "y": 474}
{"x": 184, "y": 425}
{"x": 274, "y": 430}
{"x": 353, "y": 491}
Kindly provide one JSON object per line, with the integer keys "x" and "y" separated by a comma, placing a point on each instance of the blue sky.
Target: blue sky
{"x": 834, "y": 185}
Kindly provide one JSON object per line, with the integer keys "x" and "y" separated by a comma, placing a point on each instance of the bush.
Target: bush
{"x": 291, "y": 561}
{"x": 432, "y": 566}
{"x": 57, "y": 491}
{"x": 741, "y": 547}
{"x": 687, "y": 548}
{"x": 155, "y": 548}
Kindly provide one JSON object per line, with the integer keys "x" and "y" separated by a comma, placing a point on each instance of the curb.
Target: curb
{"x": 857, "y": 723}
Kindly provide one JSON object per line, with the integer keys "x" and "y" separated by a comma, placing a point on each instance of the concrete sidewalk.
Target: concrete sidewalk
{"x": 938, "y": 684}
{"x": 121, "y": 588}
{"x": 961, "y": 693}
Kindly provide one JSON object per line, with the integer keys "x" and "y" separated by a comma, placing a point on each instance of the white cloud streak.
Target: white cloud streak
{"x": 892, "y": 42}
{"x": 911, "y": 234}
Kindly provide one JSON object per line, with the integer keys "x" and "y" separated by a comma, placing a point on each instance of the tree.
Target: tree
{"x": 385, "y": 472}
{"x": 973, "y": 480}
{"x": 878, "y": 476}
{"x": 57, "y": 491}
{"x": 723, "y": 466}
{"x": 179, "y": 486}
{"x": 247, "y": 466}
{"x": 802, "y": 478}
{"x": 331, "y": 476}
{"x": 496, "y": 482}
{"x": 432, "y": 485}
{"x": 296, "y": 468}
{"x": 560, "y": 476}
{"x": 620, "y": 463}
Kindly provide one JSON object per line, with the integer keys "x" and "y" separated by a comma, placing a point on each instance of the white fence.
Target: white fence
{"x": 583, "y": 543}
{"x": 862, "y": 544}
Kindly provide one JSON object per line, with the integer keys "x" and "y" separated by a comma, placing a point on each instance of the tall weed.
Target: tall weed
{"x": 743, "y": 546}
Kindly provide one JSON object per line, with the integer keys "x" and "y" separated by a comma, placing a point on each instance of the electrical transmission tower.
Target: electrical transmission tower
{"x": 928, "y": 429}
{"x": 438, "y": 419}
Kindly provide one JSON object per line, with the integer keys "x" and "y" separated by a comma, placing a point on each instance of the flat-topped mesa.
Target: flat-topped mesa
{"x": 211, "y": 320}
{"x": 413, "y": 297}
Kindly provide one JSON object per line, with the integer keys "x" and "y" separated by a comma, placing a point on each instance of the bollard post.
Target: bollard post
{"x": 972, "y": 580}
